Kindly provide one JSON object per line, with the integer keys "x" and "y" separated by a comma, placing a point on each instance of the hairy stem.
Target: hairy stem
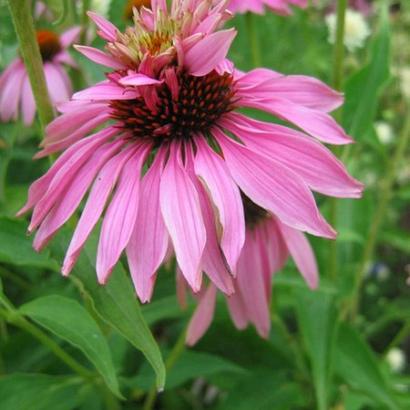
{"x": 26, "y": 34}
{"x": 338, "y": 66}
{"x": 253, "y": 39}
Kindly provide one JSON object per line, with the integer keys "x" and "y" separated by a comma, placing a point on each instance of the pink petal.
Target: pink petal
{"x": 28, "y": 105}
{"x": 237, "y": 310}
{"x": 315, "y": 164}
{"x": 100, "y": 57}
{"x": 56, "y": 84}
{"x": 119, "y": 220}
{"x": 139, "y": 79}
{"x": 63, "y": 210}
{"x": 202, "y": 318}
{"x": 67, "y": 172}
{"x": 300, "y": 90}
{"x": 213, "y": 261}
{"x": 182, "y": 215}
{"x": 316, "y": 123}
{"x": 302, "y": 253}
{"x": 148, "y": 244}
{"x": 227, "y": 198}
{"x": 10, "y": 94}
{"x": 274, "y": 187}
{"x": 70, "y": 36}
{"x": 106, "y": 91}
{"x": 102, "y": 188}
{"x": 107, "y": 30}
{"x": 207, "y": 53}
{"x": 250, "y": 281}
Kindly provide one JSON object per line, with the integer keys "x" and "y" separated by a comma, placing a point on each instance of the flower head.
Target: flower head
{"x": 173, "y": 154}
{"x": 258, "y": 6}
{"x": 15, "y": 88}
{"x": 267, "y": 245}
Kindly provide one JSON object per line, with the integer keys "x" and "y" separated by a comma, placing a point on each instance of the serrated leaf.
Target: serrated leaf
{"x": 317, "y": 321}
{"x": 117, "y": 305}
{"x": 356, "y": 364}
{"x": 16, "y": 248}
{"x": 39, "y": 392}
{"x": 67, "y": 319}
{"x": 364, "y": 87}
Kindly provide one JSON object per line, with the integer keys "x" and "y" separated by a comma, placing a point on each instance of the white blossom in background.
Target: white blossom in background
{"x": 384, "y": 132}
{"x": 396, "y": 359}
{"x": 404, "y": 76}
{"x": 356, "y": 29}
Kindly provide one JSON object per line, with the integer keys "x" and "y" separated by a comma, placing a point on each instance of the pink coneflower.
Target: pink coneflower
{"x": 15, "y": 88}
{"x": 173, "y": 153}
{"x": 267, "y": 245}
{"x": 258, "y": 6}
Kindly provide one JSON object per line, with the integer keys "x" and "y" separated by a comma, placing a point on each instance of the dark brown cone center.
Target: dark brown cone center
{"x": 49, "y": 44}
{"x": 200, "y": 102}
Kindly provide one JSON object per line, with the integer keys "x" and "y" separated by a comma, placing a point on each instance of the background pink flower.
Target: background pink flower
{"x": 15, "y": 89}
{"x": 258, "y": 6}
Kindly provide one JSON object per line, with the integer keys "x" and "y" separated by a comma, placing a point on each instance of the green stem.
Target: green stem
{"x": 253, "y": 39}
{"x": 338, "y": 68}
{"x": 385, "y": 197}
{"x": 15, "y": 318}
{"x": 26, "y": 34}
{"x": 172, "y": 358}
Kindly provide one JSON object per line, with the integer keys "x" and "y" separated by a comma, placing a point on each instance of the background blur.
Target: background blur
{"x": 316, "y": 356}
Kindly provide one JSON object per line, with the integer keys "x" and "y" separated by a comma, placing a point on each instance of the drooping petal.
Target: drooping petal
{"x": 28, "y": 105}
{"x": 202, "y": 317}
{"x": 251, "y": 282}
{"x": 119, "y": 220}
{"x": 102, "y": 188}
{"x": 66, "y": 173}
{"x": 10, "y": 93}
{"x": 211, "y": 168}
{"x": 63, "y": 210}
{"x": 182, "y": 215}
{"x": 148, "y": 244}
{"x": 316, "y": 123}
{"x": 273, "y": 187}
{"x": 56, "y": 83}
{"x": 302, "y": 254}
{"x": 314, "y": 163}
{"x": 207, "y": 53}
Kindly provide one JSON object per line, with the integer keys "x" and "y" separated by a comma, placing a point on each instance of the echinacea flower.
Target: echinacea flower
{"x": 258, "y": 6}
{"x": 172, "y": 153}
{"x": 267, "y": 245}
{"x": 15, "y": 89}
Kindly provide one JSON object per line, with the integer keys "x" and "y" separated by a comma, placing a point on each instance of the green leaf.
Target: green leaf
{"x": 16, "y": 248}
{"x": 117, "y": 305}
{"x": 69, "y": 320}
{"x": 263, "y": 390}
{"x": 357, "y": 365}
{"x": 189, "y": 366}
{"x": 39, "y": 392}
{"x": 317, "y": 321}
{"x": 364, "y": 87}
